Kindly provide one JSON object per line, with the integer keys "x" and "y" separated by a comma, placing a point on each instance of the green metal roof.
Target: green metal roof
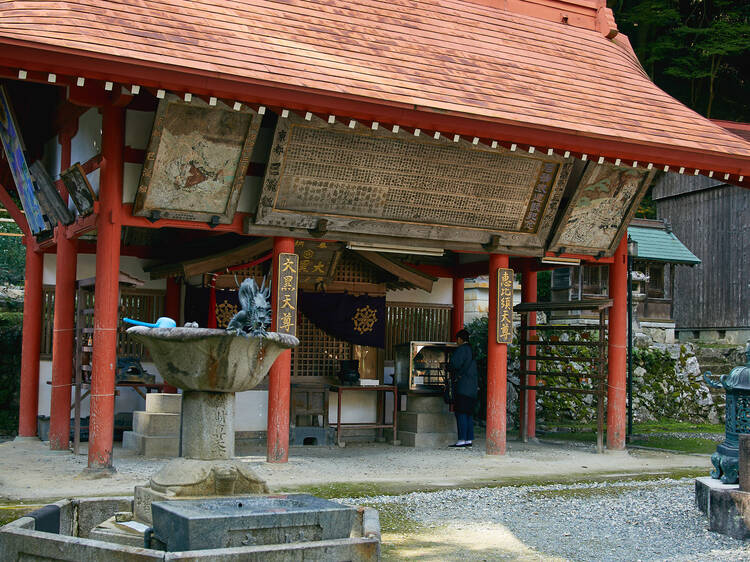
{"x": 655, "y": 244}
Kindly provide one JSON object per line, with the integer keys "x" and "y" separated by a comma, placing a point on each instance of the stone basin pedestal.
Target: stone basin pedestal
{"x": 210, "y": 366}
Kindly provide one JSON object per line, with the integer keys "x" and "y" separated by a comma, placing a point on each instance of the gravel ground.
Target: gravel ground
{"x": 628, "y": 520}
{"x": 718, "y": 437}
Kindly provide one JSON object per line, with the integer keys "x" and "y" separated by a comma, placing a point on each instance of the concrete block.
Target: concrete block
{"x": 92, "y": 511}
{"x": 336, "y": 550}
{"x": 109, "y": 531}
{"x": 249, "y": 521}
{"x": 23, "y": 544}
{"x": 157, "y": 446}
{"x": 428, "y": 423}
{"x": 160, "y": 403}
{"x": 425, "y": 404}
{"x": 67, "y": 517}
{"x": 156, "y": 423}
{"x": 726, "y": 513}
{"x": 316, "y": 436}
{"x": 426, "y": 440}
{"x": 129, "y": 441}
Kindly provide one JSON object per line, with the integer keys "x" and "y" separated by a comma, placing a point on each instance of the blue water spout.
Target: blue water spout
{"x": 163, "y": 322}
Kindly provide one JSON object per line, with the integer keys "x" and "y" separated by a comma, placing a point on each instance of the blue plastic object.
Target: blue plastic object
{"x": 163, "y": 322}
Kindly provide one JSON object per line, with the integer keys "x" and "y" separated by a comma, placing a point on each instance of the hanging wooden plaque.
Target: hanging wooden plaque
{"x": 286, "y": 294}
{"x": 505, "y": 305}
{"x": 196, "y": 161}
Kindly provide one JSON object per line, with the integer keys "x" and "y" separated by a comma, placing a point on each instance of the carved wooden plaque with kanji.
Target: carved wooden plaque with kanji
{"x": 378, "y": 181}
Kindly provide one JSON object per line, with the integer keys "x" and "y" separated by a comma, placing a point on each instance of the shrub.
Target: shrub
{"x": 10, "y": 368}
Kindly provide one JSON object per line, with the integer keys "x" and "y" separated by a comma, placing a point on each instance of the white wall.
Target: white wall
{"x": 442, "y": 293}
{"x": 86, "y": 268}
{"x": 251, "y": 410}
{"x": 138, "y": 125}
{"x": 128, "y": 400}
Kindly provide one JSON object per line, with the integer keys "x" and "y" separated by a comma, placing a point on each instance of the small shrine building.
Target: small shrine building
{"x": 428, "y": 139}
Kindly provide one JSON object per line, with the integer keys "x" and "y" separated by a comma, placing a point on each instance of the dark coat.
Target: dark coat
{"x": 464, "y": 370}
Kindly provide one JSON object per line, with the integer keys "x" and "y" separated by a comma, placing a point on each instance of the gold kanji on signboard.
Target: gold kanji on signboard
{"x": 286, "y": 294}
{"x": 505, "y": 305}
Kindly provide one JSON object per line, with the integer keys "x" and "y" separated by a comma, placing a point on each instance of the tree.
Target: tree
{"x": 12, "y": 255}
{"x": 696, "y": 50}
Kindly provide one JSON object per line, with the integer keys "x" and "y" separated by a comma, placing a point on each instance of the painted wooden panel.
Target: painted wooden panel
{"x": 196, "y": 161}
{"x": 602, "y": 205}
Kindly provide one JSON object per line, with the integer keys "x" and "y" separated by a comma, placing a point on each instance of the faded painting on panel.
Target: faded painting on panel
{"x": 603, "y": 203}
{"x": 196, "y": 161}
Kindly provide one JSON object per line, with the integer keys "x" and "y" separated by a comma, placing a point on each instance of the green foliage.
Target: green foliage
{"x": 557, "y": 406}
{"x": 544, "y": 285}
{"x": 12, "y": 255}
{"x": 698, "y": 51}
{"x": 659, "y": 391}
{"x": 647, "y": 207}
{"x": 10, "y": 369}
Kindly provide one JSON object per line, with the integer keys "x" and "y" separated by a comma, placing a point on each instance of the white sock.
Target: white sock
{"x": 460, "y": 442}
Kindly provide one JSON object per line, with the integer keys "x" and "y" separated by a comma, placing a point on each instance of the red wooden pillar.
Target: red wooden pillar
{"x": 529, "y": 294}
{"x": 618, "y": 315}
{"x": 457, "y": 320}
{"x": 497, "y": 368}
{"x": 63, "y": 338}
{"x": 31, "y": 343}
{"x": 63, "y": 342}
{"x": 279, "y": 377}
{"x": 106, "y": 292}
{"x": 172, "y": 302}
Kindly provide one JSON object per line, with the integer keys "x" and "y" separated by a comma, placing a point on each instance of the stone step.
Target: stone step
{"x": 151, "y": 445}
{"x": 160, "y": 403}
{"x": 429, "y": 423}
{"x": 425, "y": 404}
{"x": 426, "y": 440}
{"x": 152, "y": 423}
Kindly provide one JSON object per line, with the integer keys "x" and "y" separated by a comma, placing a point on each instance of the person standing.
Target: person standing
{"x": 463, "y": 370}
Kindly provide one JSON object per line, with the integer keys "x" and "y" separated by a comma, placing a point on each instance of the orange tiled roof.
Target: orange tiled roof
{"x": 446, "y": 57}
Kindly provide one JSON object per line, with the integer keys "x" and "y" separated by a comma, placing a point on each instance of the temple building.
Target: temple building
{"x": 154, "y": 154}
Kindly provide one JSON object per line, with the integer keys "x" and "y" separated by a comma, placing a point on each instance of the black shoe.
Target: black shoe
{"x": 466, "y": 445}
{"x": 456, "y": 446}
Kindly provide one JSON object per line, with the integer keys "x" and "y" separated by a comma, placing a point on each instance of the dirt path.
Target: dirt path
{"x": 30, "y": 471}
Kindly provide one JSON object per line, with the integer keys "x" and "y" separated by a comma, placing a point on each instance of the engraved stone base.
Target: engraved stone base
{"x": 190, "y": 478}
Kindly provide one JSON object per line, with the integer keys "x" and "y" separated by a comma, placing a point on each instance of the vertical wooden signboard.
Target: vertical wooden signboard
{"x": 505, "y": 305}
{"x": 286, "y": 294}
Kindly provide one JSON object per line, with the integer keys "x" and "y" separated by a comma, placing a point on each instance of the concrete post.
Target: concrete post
{"x": 63, "y": 342}
{"x": 617, "y": 350}
{"x": 31, "y": 343}
{"x": 457, "y": 320}
{"x": 279, "y": 377}
{"x": 106, "y": 295}
{"x": 497, "y": 368}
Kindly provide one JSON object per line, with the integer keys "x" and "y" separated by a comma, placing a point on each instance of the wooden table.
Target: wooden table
{"x": 379, "y": 424}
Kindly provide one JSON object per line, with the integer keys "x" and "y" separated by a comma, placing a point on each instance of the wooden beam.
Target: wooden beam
{"x": 213, "y": 262}
{"x": 354, "y": 287}
{"x": 400, "y": 270}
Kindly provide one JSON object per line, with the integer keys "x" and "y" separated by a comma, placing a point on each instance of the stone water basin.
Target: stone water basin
{"x": 203, "y": 359}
